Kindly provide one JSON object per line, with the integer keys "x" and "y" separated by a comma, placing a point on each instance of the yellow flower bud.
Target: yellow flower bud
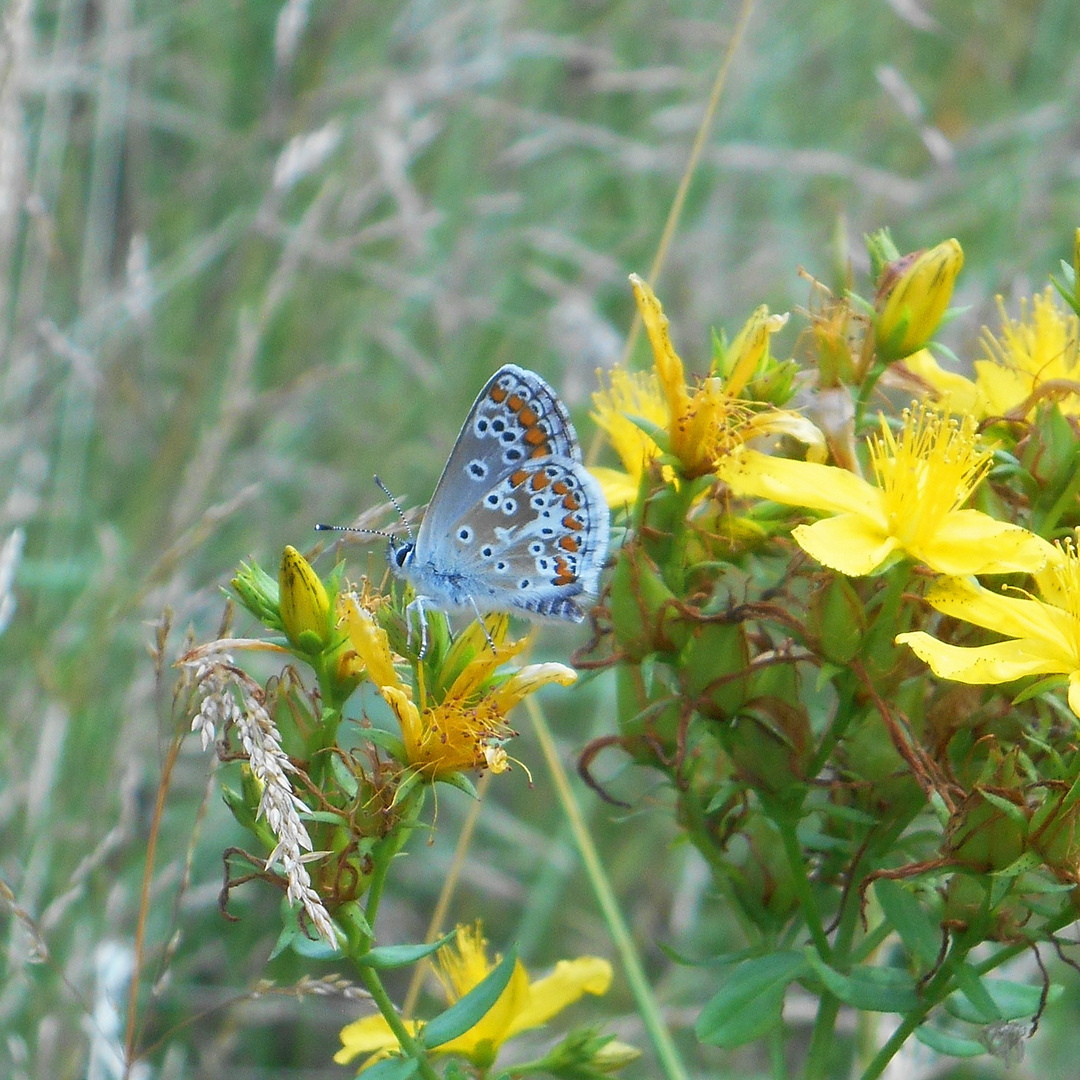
{"x": 749, "y": 348}
{"x": 305, "y": 607}
{"x": 613, "y": 1056}
{"x": 912, "y": 296}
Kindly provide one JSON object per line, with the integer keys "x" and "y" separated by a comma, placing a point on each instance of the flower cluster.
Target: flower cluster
{"x": 331, "y": 797}
{"x": 794, "y": 560}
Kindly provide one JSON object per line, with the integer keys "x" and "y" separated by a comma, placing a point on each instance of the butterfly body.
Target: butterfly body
{"x": 517, "y": 523}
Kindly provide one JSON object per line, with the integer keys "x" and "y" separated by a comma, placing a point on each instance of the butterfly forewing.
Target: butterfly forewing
{"x": 516, "y": 521}
{"x": 515, "y": 418}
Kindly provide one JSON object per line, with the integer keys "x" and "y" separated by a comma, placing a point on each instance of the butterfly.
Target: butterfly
{"x": 517, "y": 523}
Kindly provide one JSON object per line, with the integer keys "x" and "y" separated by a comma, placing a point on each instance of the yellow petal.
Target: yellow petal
{"x": 568, "y": 982}
{"x": 620, "y": 489}
{"x": 371, "y": 644}
{"x": 801, "y": 483}
{"x": 481, "y": 667}
{"x": 368, "y": 1036}
{"x": 793, "y": 424}
{"x": 527, "y": 680}
{"x": 964, "y": 396}
{"x": 1074, "y": 691}
{"x": 408, "y": 718}
{"x": 971, "y": 542}
{"x": 304, "y": 605}
{"x": 916, "y": 298}
{"x": 749, "y": 347}
{"x": 1011, "y": 615}
{"x": 1004, "y": 661}
{"x": 669, "y": 368}
{"x": 848, "y": 543}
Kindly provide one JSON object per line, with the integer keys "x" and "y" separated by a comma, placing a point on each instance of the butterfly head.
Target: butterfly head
{"x": 399, "y": 553}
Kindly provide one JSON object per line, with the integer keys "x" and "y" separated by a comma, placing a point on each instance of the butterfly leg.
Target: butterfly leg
{"x": 417, "y": 606}
{"x": 483, "y": 625}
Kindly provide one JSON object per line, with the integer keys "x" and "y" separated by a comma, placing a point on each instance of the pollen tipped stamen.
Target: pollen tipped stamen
{"x": 927, "y": 471}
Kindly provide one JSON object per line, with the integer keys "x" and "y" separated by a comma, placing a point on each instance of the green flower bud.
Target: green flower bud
{"x": 644, "y": 611}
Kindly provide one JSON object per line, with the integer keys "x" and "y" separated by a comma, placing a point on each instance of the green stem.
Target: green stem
{"x": 408, "y": 1044}
{"x": 821, "y": 1039}
{"x": 386, "y": 852}
{"x": 807, "y": 900}
{"x": 936, "y": 990}
{"x": 621, "y": 937}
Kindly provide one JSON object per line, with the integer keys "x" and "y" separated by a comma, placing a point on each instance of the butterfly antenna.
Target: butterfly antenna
{"x": 321, "y": 527}
{"x": 396, "y": 505}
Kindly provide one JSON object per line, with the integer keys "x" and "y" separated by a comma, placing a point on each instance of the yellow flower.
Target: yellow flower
{"x": 1030, "y": 353}
{"x": 923, "y": 476}
{"x": 304, "y": 605}
{"x": 462, "y": 726}
{"x": 700, "y": 425}
{"x": 912, "y": 297}
{"x": 1044, "y": 635}
{"x": 628, "y": 395}
{"x": 524, "y": 1004}
{"x": 1035, "y": 356}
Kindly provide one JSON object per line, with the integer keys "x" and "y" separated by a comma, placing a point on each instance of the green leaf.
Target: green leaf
{"x": 750, "y": 1002}
{"x": 984, "y": 1009}
{"x": 388, "y": 741}
{"x": 326, "y": 817}
{"x": 872, "y": 989}
{"x": 288, "y": 931}
{"x": 345, "y": 778}
{"x": 467, "y": 1012}
{"x": 919, "y": 932}
{"x": 461, "y": 782}
{"x": 1016, "y": 814}
{"x": 387, "y": 957}
{"x": 951, "y": 1045}
{"x": 998, "y": 999}
{"x": 313, "y": 948}
{"x": 394, "y": 1068}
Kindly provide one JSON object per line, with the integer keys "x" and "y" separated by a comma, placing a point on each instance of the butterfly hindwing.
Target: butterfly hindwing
{"x": 535, "y": 540}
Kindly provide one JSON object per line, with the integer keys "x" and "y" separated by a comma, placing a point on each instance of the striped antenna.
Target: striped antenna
{"x": 321, "y": 527}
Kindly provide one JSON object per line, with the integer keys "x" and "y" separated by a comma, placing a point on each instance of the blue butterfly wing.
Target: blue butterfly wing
{"x": 517, "y": 417}
{"x": 516, "y": 520}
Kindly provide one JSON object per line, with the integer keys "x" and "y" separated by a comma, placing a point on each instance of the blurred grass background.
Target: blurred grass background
{"x": 250, "y": 253}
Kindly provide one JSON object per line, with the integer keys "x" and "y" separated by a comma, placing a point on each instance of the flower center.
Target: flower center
{"x": 927, "y": 471}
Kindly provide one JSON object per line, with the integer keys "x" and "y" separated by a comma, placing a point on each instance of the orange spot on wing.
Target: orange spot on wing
{"x": 528, "y": 416}
{"x": 571, "y": 502}
{"x": 534, "y": 436}
{"x": 541, "y": 451}
{"x": 569, "y": 543}
{"x": 498, "y": 395}
{"x": 515, "y": 402}
{"x": 560, "y": 487}
{"x": 518, "y": 478}
{"x": 571, "y": 522}
{"x": 563, "y": 574}
{"x": 540, "y": 480}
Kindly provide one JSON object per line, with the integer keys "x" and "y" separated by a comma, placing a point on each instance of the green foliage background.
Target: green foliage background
{"x": 202, "y": 356}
